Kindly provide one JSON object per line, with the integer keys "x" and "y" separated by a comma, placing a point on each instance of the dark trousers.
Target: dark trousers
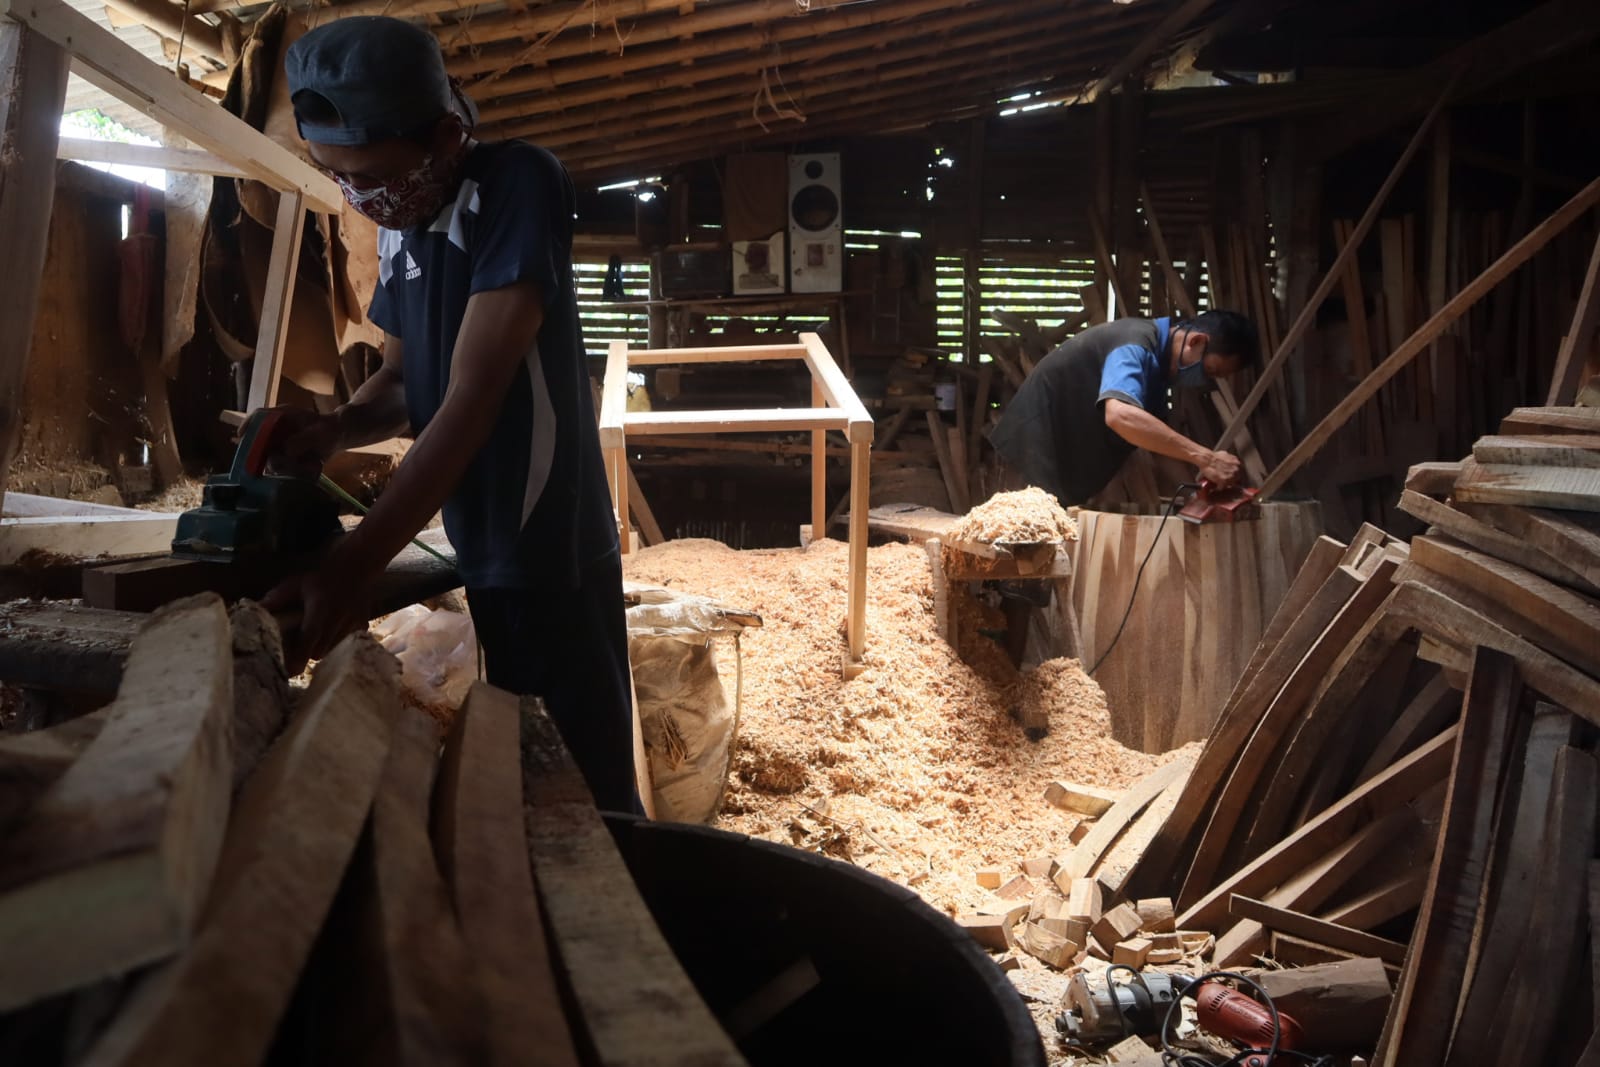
{"x": 571, "y": 648}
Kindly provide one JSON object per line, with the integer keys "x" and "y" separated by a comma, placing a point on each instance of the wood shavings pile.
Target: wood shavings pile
{"x": 915, "y": 770}
{"x": 1023, "y": 517}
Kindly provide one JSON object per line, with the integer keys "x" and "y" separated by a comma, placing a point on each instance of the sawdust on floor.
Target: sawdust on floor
{"x": 1024, "y": 516}
{"x": 181, "y": 495}
{"x": 915, "y": 770}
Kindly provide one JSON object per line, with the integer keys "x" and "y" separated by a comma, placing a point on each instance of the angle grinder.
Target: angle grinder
{"x": 1097, "y": 1009}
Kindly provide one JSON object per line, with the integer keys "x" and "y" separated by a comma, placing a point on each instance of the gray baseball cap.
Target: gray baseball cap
{"x": 384, "y": 78}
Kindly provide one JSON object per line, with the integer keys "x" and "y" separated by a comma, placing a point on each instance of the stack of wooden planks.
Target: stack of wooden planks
{"x": 208, "y": 871}
{"x": 1408, "y": 761}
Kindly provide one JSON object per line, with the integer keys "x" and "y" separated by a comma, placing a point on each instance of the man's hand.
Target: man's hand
{"x": 303, "y": 442}
{"x": 317, "y": 609}
{"x": 1221, "y": 469}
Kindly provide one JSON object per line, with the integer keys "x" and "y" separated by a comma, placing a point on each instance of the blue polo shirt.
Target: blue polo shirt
{"x": 1137, "y": 373}
{"x": 533, "y": 508}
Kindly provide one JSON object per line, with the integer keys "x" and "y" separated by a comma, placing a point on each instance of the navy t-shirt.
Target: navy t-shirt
{"x": 533, "y": 508}
{"x": 1054, "y": 430}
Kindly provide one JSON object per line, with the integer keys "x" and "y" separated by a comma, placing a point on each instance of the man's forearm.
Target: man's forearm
{"x": 1143, "y": 430}
{"x": 376, "y": 412}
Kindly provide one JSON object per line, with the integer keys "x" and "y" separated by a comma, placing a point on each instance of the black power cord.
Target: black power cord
{"x": 1174, "y": 1058}
{"x": 1172, "y": 506}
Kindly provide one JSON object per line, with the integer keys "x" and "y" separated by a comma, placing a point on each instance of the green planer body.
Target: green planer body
{"x": 250, "y": 514}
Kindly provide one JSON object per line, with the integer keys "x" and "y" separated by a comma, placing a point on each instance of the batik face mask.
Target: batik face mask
{"x": 400, "y": 203}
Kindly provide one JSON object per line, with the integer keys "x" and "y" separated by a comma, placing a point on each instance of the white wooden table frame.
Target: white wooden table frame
{"x": 230, "y": 147}
{"x": 834, "y": 406}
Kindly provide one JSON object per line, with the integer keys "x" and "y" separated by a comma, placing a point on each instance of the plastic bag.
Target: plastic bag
{"x": 438, "y": 653}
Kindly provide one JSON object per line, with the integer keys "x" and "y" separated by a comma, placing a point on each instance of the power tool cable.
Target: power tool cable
{"x": 1172, "y": 506}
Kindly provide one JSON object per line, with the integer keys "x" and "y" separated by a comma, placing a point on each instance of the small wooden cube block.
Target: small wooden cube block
{"x": 1083, "y": 799}
{"x": 1132, "y": 953}
{"x": 1016, "y": 889}
{"x": 987, "y": 930}
{"x": 1158, "y": 915}
{"x": 1080, "y": 831}
{"x": 1117, "y": 925}
{"x": 1084, "y": 900}
{"x": 1038, "y": 867}
{"x": 989, "y": 877}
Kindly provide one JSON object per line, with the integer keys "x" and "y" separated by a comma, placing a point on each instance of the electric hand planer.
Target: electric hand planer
{"x": 1212, "y": 503}
{"x": 251, "y": 514}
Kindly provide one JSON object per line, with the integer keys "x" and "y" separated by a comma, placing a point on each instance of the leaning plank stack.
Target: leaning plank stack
{"x": 208, "y": 872}
{"x": 1406, "y": 769}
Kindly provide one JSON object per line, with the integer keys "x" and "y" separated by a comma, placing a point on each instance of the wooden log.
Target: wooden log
{"x": 1470, "y": 528}
{"x": 637, "y": 1004}
{"x": 111, "y": 867}
{"x": 1401, "y": 783}
{"x": 477, "y": 808}
{"x": 1339, "y": 1006}
{"x": 34, "y": 72}
{"x": 1469, "y": 294}
{"x": 290, "y": 837}
{"x": 1321, "y": 931}
{"x": 406, "y": 990}
{"x": 1423, "y": 1013}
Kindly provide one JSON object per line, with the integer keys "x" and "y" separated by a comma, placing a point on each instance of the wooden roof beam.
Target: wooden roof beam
{"x": 168, "y": 20}
{"x": 1175, "y": 23}
{"x": 734, "y": 97}
{"x": 827, "y": 53}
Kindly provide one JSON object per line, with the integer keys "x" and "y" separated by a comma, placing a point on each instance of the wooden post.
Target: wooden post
{"x": 860, "y": 496}
{"x": 819, "y": 470}
{"x": 619, "y": 492}
{"x": 33, "y": 87}
{"x": 273, "y": 330}
{"x": 972, "y": 263}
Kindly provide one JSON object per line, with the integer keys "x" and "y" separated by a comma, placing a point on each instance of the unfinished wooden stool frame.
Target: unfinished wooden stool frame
{"x": 834, "y": 406}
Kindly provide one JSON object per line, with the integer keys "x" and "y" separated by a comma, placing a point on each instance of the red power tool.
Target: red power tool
{"x": 1213, "y": 503}
{"x": 1096, "y": 1010}
{"x": 1230, "y": 1014}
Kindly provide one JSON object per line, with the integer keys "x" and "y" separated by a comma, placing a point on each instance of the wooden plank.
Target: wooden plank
{"x": 1380, "y": 904}
{"x": 1574, "y": 450}
{"x": 856, "y": 593}
{"x": 656, "y": 357}
{"x": 614, "y": 397}
{"x": 1402, "y": 782}
{"x": 637, "y": 1005}
{"x": 1431, "y": 710}
{"x": 1556, "y": 619}
{"x": 1470, "y": 294}
{"x": 405, "y": 990}
{"x": 1117, "y": 861}
{"x": 947, "y": 469}
{"x": 914, "y": 522}
{"x": 1468, "y": 527}
{"x": 1550, "y": 420}
{"x": 1346, "y": 256}
{"x": 1436, "y": 614}
{"x": 1422, "y": 1015}
{"x": 1579, "y": 338}
{"x": 87, "y": 536}
{"x": 63, "y": 647}
{"x": 1570, "y": 537}
{"x": 1319, "y": 592}
{"x": 1560, "y": 488}
{"x": 836, "y": 388}
{"x": 30, "y": 506}
{"x": 289, "y": 839}
{"x": 109, "y": 64}
{"x": 1517, "y": 874}
{"x": 1433, "y": 478}
{"x": 748, "y": 420}
{"x": 1354, "y": 620}
{"x": 156, "y": 157}
{"x": 1321, "y": 931}
{"x": 1549, "y": 949}
{"x": 34, "y": 72}
{"x": 31, "y": 762}
{"x": 111, "y": 866}
{"x": 272, "y": 330}
{"x": 1083, "y": 857}
{"x": 1159, "y": 36}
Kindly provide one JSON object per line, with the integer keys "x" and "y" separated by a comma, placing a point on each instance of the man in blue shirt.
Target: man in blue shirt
{"x": 1103, "y": 393}
{"x": 483, "y": 360}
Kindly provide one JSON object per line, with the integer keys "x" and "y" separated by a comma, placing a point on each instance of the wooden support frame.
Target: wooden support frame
{"x": 100, "y": 58}
{"x": 835, "y": 406}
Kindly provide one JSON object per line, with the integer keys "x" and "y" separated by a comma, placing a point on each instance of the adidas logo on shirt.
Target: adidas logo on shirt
{"x": 413, "y": 272}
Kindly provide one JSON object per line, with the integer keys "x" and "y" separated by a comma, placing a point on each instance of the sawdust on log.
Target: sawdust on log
{"x": 916, "y": 769}
{"x": 1021, "y": 517}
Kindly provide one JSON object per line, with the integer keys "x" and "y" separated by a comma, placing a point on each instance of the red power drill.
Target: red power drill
{"x": 1097, "y": 1009}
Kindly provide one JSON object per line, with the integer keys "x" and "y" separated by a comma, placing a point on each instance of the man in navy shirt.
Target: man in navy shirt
{"x": 1103, "y": 393}
{"x": 483, "y": 360}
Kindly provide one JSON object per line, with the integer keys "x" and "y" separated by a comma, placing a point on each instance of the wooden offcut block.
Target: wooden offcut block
{"x": 1038, "y": 867}
{"x": 1117, "y": 925}
{"x": 987, "y": 930}
{"x": 1131, "y": 953}
{"x": 1083, "y": 799}
{"x": 989, "y": 877}
{"x": 1047, "y": 946}
{"x": 1084, "y": 900}
{"x": 1157, "y": 914}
